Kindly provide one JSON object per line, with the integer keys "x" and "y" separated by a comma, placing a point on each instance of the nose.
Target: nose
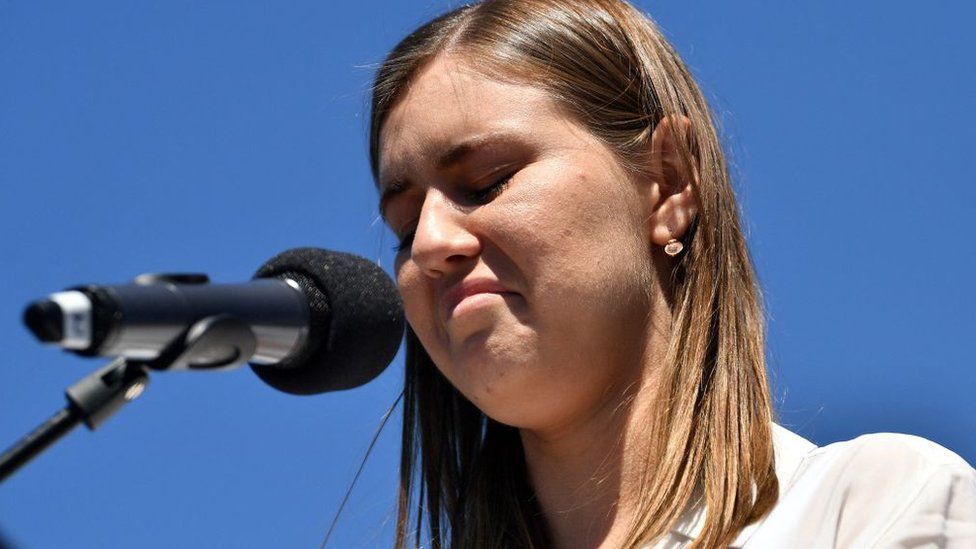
{"x": 442, "y": 241}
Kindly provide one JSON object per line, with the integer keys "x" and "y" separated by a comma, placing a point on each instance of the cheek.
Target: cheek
{"x": 419, "y": 305}
{"x": 416, "y": 296}
{"x": 587, "y": 266}
{"x": 571, "y": 229}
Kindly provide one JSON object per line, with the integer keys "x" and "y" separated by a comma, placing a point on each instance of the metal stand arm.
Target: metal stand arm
{"x": 91, "y": 400}
{"x": 37, "y": 440}
{"x": 212, "y": 343}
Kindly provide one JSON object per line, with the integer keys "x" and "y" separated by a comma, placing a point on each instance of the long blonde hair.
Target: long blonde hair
{"x": 612, "y": 69}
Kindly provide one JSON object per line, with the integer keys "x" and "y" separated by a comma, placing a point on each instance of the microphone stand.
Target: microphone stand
{"x": 216, "y": 342}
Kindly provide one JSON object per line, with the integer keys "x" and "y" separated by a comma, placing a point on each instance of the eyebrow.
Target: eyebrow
{"x": 453, "y": 156}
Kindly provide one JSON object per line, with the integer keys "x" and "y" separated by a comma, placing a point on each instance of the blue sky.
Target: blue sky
{"x": 141, "y": 137}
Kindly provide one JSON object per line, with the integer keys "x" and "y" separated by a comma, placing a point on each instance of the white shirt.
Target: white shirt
{"x": 881, "y": 490}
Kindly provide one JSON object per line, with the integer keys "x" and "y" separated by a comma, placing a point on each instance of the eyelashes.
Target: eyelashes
{"x": 476, "y": 197}
{"x": 483, "y": 196}
{"x": 405, "y": 242}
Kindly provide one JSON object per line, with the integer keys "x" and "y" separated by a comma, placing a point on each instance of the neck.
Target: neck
{"x": 585, "y": 475}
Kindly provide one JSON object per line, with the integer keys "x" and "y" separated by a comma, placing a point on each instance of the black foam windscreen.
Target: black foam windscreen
{"x": 355, "y": 326}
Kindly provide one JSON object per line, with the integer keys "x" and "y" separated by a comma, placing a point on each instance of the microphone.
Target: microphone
{"x": 321, "y": 320}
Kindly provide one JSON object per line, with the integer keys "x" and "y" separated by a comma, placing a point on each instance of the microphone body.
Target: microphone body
{"x": 138, "y": 320}
{"x": 321, "y": 320}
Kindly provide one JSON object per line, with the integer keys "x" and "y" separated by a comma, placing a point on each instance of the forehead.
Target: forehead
{"x": 448, "y": 103}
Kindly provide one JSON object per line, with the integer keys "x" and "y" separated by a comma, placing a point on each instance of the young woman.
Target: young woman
{"x": 586, "y": 355}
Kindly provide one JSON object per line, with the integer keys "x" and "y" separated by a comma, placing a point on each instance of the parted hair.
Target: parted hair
{"x": 463, "y": 481}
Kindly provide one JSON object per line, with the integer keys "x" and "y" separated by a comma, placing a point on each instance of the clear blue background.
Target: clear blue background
{"x": 140, "y": 137}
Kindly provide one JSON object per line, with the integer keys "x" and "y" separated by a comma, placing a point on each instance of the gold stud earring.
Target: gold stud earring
{"x": 673, "y": 247}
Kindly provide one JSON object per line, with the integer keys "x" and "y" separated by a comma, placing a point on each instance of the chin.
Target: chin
{"x": 522, "y": 395}
{"x": 506, "y": 382}
{"x": 528, "y": 407}
{"x": 516, "y": 406}
{"x": 505, "y": 373}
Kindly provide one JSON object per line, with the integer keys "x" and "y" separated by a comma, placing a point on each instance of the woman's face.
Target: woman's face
{"x": 525, "y": 261}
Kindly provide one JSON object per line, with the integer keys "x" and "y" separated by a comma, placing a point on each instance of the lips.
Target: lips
{"x": 468, "y": 288}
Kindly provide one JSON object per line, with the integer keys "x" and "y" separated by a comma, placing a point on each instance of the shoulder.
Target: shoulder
{"x": 907, "y": 452}
{"x": 884, "y": 463}
{"x": 881, "y": 489}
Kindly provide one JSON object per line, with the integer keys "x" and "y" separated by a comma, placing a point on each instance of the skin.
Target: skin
{"x": 529, "y": 272}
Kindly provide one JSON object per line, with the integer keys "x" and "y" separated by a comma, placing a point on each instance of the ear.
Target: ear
{"x": 672, "y": 195}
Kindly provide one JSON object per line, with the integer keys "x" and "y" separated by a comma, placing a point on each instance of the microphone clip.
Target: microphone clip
{"x": 214, "y": 342}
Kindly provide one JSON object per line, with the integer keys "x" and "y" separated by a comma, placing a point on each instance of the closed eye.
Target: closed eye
{"x": 405, "y": 242}
{"x": 478, "y": 197}
{"x": 491, "y": 192}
